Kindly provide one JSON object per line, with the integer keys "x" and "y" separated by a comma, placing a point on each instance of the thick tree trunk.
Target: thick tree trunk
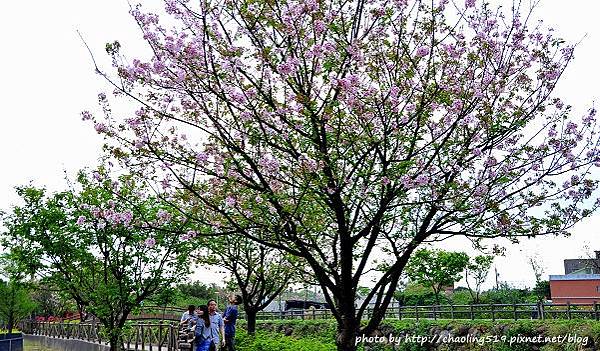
{"x": 115, "y": 334}
{"x": 347, "y": 332}
{"x": 251, "y": 316}
{"x": 114, "y": 343}
{"x": 116, "y": 340}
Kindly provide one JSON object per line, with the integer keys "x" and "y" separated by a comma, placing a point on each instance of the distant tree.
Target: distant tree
{"x": 415, "y": 294}
{"x": 542, "y": 290}
{"x": 506, "y": 294}
{"x": 197, "y": 290}
{"x": 436, "y": 269}
{"x": 107, "y": 244}
{"x": 15, "y": 303}
{"x": 50, "y": 300}
{"x": 461, "y": 296}
{"x": 260, "y": 273}
{"x": 537, "y": 266}
{"x": 477, "y": 270}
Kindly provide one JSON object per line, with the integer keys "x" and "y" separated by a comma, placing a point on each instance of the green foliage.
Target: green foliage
{"x": 188, "y": 293}
{"x": 507, "y": 295}
{"x": 477, "y": 271}
{"x": 310, "y": 334}
{"x": 198, "y": 290}
{"x": 92, "y": 243}
{"x": 462, "y": 297}
{"x": 50, "y": 301}
{"x": 542, "y": 290}
{"x": 258, "y": 272}
{"x": 320, "y": 335}
{"x": 436, "y": 268}
{"x": 415, "y": 294}
{"x": 15, "y": 303}
{"x": 262, "y": 341}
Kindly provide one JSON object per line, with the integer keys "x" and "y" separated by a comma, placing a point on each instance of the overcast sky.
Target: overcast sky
{"x": 47, "y": 79}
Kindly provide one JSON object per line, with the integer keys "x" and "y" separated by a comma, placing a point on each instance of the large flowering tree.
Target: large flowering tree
{"x": 105, "y": 243}
{"x": 349, "y": 132}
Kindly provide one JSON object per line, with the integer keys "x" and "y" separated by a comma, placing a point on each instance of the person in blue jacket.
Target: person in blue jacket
{"x": 203, "y": 340}
{"x": 230, "y": 317}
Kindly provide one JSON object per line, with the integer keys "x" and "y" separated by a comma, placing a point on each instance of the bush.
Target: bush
{"x": 415, "y": 294}
{"x": 269, "y": 341}
{"x": 461, "y": 297}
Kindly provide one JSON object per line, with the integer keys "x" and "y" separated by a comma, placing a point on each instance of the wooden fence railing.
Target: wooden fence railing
{"x": 138, "y": 336}
{"x": 150, "y": 312}
{"x": 492, "y": 312}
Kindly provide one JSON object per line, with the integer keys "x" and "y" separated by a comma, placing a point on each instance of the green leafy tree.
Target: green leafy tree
{"x": 259, "y": 272}
{"x": 477, "y": 271}
{"x": 107, "y": 244}
{"x": 507, "y": 294}
{"x": 436, "y": 269}
{"x": 196, "y": 292}
{"x": 542, "y": 290}
{"x": 15, "y": 303}
{"x": 415, "y": 294}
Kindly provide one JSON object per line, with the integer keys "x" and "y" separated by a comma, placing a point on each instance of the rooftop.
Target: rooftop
{"x": 575, "y": 277}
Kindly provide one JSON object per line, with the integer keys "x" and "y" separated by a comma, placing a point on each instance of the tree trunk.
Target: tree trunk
{"x": 114, "y": 343}
{"x": 80, "y": 309}
{"x": 347, "y": 333}
{"x": 11, "y": 322}
{"x": 437, "y": 298}
{"x": 251, "y": 317}
{"x": 116, "y": 340}
{"x": 115, "y": 335}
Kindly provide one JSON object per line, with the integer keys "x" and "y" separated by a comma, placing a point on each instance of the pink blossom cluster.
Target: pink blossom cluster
{"x": 312, "y": 105}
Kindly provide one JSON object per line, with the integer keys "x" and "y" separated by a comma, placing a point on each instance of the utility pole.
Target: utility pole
{"x": 496, "y": 271}
{"x": 305, "y": 295}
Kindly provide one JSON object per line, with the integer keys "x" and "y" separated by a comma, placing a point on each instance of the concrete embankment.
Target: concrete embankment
{"x": 63, "y": 344}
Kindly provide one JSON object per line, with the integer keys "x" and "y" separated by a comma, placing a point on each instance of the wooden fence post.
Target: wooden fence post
{"x": 416, "y": 312}
{"x": 143, "y": 341}
{"x": 137, "y": 337}
{"x": 493, "y": 314}
{"x": 471, "y": 312}
{"x": 515, "y": 310}
{"x": 568, "y": 310}
{"x": 595, "y": 310}
{"x": 160, "y": 328}
{"x": 451, "y": 311}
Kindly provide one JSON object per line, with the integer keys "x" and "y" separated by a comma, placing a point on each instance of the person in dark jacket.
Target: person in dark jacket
{"x": 230, "y": 317}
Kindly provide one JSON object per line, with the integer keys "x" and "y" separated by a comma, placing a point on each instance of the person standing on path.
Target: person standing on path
{"x": 217, "y": 327}
{"x": 189, "y": 317}
{"x": 230, "y": 317}
{"x": 203, "y": 340}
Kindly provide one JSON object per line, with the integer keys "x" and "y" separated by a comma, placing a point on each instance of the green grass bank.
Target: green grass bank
{"x": 442, "y": 335}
